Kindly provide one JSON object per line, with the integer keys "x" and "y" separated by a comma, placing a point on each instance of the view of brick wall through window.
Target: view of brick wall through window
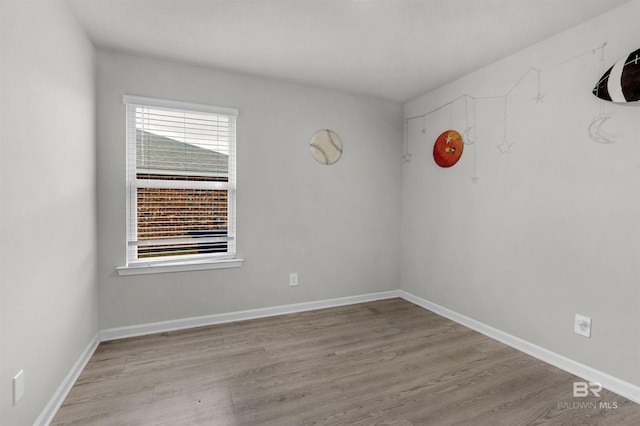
{"x": 187, "y": 215}
{"x": 181, "y": 213}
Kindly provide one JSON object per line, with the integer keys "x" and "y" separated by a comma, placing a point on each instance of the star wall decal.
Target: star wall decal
{"x": 504, "y": 148}
{"x": 407, "y": 158}
{"x": 474, "y": 179}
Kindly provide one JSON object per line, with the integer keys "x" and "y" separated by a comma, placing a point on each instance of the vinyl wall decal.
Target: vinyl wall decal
{"x": 448, "y": 148}
{"x": 621, "y": 82}
{"x": 326, "y": 147}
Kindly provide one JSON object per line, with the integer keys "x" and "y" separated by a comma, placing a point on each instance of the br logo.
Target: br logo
{"x": 582, "y": 389}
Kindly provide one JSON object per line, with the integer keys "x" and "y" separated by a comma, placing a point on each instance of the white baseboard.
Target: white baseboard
{"x": 180, "y": 324}
{"x": 50, "y": 410}
{"x": 618, "y": 386}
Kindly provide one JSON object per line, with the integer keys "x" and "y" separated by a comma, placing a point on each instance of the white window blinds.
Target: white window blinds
{"x": 180, "y": 181}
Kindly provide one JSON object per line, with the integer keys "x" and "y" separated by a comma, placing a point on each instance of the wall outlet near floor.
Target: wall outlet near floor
{"x": 293, "y": 279}
{"x": 18, "y": 387}
{"x": 582, "y": 325}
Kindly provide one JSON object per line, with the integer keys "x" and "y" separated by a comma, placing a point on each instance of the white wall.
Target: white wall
{"x": 334, "y": 225}
{"x": 549, "y": 230}
{"x": 48, "y": 221}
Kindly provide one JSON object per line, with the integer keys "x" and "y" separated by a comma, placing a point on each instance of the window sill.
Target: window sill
{"x": 148, "y": 268}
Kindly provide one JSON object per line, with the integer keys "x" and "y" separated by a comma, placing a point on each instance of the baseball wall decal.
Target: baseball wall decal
{"x": 326, "y": 147}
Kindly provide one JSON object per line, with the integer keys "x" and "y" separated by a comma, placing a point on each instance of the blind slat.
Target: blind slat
{"x": 181, "y": 184}
{"x": 178, "y": 241}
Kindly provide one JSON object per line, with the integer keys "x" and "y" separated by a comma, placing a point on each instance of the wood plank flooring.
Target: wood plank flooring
{"x": 381, "y": 363}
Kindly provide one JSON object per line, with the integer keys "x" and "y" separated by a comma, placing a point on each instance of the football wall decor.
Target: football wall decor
{"x": 621, "y": 83}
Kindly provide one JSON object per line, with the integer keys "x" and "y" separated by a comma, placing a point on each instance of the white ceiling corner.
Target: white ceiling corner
{"x": 388, "y": 49}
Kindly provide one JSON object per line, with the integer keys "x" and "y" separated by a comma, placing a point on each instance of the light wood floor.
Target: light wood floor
{"x": 380, "y": 363}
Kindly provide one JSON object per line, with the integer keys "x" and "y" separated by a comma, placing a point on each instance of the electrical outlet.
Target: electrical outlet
{"x": 582, "y": 325}
{"x": 18, "y": 387}
{"x": 293, "y": 279}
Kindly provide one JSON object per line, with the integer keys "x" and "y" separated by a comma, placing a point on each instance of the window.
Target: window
{"x": 180, "y": 184}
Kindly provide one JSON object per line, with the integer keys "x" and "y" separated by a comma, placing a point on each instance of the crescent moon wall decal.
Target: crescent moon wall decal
{"x": 466, "y": 138}
{"x": 595, "y": 129}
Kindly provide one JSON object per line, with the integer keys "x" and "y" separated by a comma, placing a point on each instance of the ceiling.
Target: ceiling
{"x": 389, "y": 49}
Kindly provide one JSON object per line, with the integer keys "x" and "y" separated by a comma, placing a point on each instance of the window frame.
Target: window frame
{"x": 184, "y": 262}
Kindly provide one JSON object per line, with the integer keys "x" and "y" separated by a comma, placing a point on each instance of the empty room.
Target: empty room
{"x": 319, "y": 212}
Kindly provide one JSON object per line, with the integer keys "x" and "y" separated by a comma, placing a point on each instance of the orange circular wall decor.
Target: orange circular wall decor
{"x": 448, "y": 148}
